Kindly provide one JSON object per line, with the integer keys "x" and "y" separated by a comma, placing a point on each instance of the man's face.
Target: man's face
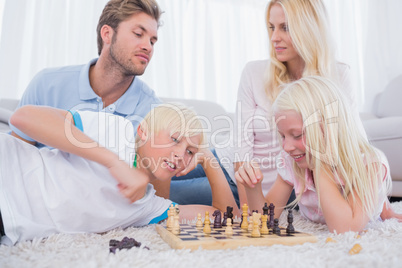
{"x": 133, "y": 43}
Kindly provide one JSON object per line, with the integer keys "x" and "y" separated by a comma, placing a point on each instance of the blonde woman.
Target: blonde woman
{"x": 300, "y": 45}
{"x": 338, "y": 177}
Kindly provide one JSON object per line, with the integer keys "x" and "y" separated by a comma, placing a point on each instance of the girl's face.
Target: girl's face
{"x": 290, "y": 128}
{"x": 280, "y": 37}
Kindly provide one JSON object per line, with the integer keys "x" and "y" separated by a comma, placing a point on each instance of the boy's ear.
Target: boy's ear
{"x": 142, "y": 133}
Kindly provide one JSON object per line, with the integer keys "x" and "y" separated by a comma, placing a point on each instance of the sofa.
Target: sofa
{"x": 383, "y": 125}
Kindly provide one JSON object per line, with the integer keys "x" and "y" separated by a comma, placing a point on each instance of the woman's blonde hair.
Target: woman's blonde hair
{"x": 309, "y": 31}
{"x": 175, "y": 117}
{"x": 333, "y": 142}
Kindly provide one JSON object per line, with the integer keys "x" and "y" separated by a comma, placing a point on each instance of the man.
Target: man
{"x": 126, "y": 34}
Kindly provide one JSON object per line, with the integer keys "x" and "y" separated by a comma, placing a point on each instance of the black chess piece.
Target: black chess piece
{"x": 290, "y": 229}
{"x": 276, "y": 229}
{"x": 271, "y": 216}
{"x": 229, "y": 211}
{"x": 225, "y": 217}
{"x": 218, "y": 218}
{"x": 265, "y": 209}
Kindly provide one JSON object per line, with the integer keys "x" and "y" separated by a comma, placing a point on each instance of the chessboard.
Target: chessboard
{"x": 193, "y": 238}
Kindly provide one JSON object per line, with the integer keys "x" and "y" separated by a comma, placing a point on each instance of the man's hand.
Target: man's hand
{"x": 249, "y": 174}
{"x": 132, "y": 183}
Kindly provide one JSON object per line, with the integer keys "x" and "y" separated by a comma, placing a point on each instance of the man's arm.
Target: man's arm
{"x": 55, "y": 128}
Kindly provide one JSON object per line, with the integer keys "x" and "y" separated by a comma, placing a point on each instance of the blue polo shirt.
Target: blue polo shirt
{"x": 68, "y": 88}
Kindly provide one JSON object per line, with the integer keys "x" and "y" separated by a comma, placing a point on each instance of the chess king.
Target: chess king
{"x": 97, "y": 171}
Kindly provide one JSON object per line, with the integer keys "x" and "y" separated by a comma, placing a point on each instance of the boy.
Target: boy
{"x": 80, "y": 185}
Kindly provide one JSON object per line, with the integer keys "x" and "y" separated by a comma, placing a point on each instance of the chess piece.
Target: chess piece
{"x": 276, "y": 230}
{"x": 207, "y": 224}
{"x": 229, "y": 211}
{"x": 244, "y": 223}
{"x": 199, "y": 221}
{"x": 170, "y": 220}
{"x": 265, "y": 209}
{"x": 218, "y": 217}
{"x": 250, "y": 225}
{"x": 271, "y": 216}
{"x": 176, "y": 225}
{"x": 229, "y": 229}
{"x": 225, "y": 218}
{"x": 290, "y": 229}
{"x": 264, "y": 227}
{"x": 256, "y": 225}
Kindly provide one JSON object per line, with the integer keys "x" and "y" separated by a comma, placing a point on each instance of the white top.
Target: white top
{"x": 256, "y": 135}
{"x": 46, "y": 191}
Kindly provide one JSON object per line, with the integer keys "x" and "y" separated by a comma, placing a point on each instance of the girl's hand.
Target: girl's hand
{"x": 131, "y": 182}
{"x": 249, "y": 174}
{"x": 389, "y": 213}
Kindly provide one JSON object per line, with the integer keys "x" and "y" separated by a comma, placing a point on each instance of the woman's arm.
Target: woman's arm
{"x": 55, "y": 128}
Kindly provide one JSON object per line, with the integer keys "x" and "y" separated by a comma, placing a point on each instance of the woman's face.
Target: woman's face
{"x": 280, "y": 37}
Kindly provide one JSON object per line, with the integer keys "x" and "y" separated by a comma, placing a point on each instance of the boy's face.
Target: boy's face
{"x": 164, "y": 155}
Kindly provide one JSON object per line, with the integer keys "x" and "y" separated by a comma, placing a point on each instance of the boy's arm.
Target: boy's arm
{"x": 55, "y": 128}
{"x": 222, "y": 195}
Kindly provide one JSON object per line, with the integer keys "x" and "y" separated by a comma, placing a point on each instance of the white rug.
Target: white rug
{"x": 382, "y": 247}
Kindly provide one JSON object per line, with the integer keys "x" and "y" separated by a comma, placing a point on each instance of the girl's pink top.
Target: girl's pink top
{"x": 308, "y": 204}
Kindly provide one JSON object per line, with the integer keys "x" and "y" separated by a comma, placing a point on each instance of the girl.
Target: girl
{"x": 338, "y": 177}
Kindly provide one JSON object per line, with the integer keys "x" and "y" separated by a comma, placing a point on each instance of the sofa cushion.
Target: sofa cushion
{"x": 388, "y": 102}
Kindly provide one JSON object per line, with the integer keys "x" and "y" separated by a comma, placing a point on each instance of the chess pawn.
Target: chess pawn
{"x": 229, "y": 229}
{"x": 256, "y": 230}
{"x": 176, "y": 225}
{"x": 264, "y": 228}
{"x": 207, "y": 224}
{"x": 250, "y": 225}
{"x": 276, "y": 230}
{"x": 170, "y": 220}
{"x": 199, "y": 221}
{"x": 290, "y": 229}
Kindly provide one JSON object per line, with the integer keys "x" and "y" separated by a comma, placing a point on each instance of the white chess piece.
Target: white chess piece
{"x": 229, "y": 229}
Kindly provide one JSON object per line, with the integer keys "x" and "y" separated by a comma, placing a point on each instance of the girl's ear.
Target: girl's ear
{"x": 142, "y": 133}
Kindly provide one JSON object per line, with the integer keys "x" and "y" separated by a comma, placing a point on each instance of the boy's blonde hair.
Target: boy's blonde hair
{"x": 333, "y": 142}
{"x": 309, "y": 31}
{"x": 175, "y": 117}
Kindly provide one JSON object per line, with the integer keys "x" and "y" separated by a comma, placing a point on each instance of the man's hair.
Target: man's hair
{"x": 333, "y": 141}
{"x": 308, "y": 25}
{"x": 117, "y": 11}
{"x": 175, "y": 117}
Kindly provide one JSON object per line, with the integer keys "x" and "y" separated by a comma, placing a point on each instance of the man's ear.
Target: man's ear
{"x": 142, "y": 133}
{"x": 106, "y": 33}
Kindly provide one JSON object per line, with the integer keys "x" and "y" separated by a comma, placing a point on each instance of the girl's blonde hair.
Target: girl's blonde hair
{"x": 309, "y": 31}
{"x": 333, "y": 142}
{"x": 175, "y": 117}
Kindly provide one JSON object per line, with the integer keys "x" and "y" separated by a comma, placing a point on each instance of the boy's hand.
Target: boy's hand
{"x": 132, "y": 183}
{"x": 200, "y": 157}
{"x": 249, "y": 174}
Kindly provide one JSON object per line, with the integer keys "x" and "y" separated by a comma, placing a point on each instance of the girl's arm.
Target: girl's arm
{"x": 340, "y": 215}
{"x": 50, "y": 126}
